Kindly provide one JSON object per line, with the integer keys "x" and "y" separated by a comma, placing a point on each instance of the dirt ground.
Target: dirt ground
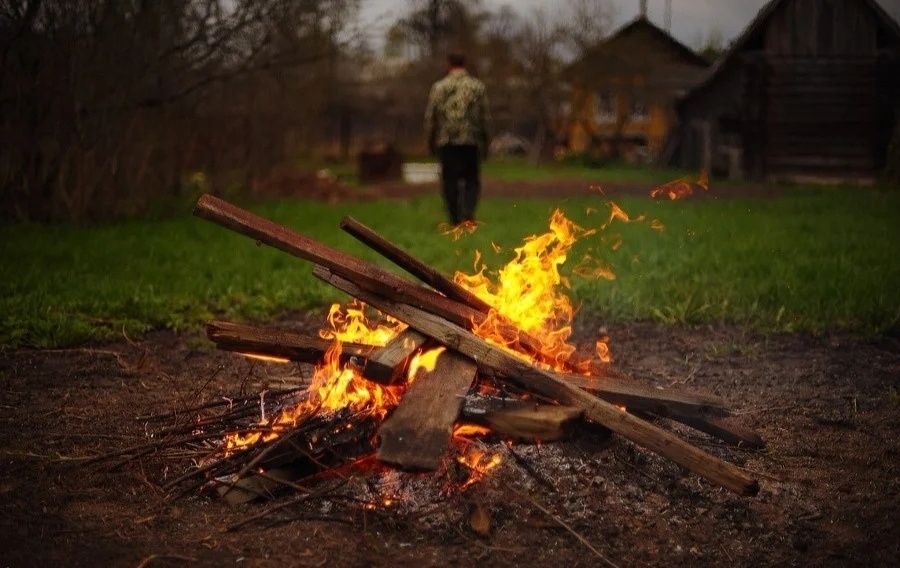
{"x": 827, "y": 406}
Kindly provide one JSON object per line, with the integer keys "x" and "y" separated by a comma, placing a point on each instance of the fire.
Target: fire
{"x": 469, "y": 431}
{"x": 680, "y": 188}
{"x": 266, "y": 358}
{"x": 529, "y": 290}
{"x": 350, "y": 324}
{"x": 455, "y": 232}
{"x": 423, "y": 361}
{"x": 335, "y": 386}
{"x": 479, "y": 463}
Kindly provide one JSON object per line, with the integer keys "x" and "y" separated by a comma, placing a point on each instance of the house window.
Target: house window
{"x": 604, "y": 107}
{"x": 639, "y": 111}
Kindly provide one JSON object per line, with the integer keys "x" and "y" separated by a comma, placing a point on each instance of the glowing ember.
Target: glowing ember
{"x": 266, "y": 358}
{"x": 680, "y": 188}
{"x": 480, "y": 463}
{"x": 455, "y": 232}
{"x": 470, "y": 431}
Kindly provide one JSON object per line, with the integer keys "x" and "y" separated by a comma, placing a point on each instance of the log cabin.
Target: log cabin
{"x": 809, "y": 91}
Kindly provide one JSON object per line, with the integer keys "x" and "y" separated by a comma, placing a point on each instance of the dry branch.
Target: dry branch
{"x": 548, "y": 384}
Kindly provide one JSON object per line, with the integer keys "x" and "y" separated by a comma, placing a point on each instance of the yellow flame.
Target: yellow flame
{"x": 350, "y": 324}
{"x": 424, "y": 361}
{"x": 529, "y": 291}
{"x": 480, "y": 463}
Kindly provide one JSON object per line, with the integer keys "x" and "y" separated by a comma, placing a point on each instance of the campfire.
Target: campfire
{"x": 407, "y": 376}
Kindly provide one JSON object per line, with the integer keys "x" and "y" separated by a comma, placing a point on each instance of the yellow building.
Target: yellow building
{"x": 624, "y": 91}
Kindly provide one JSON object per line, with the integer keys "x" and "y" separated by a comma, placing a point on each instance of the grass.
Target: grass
{"x": 815, "y": 259}
{"x": 519, "y": 169}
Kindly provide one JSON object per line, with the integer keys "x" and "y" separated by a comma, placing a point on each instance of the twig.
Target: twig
{"x": 564, "y": 525}
{"x": 146, "y": 561}
{"x": 280, "y": 506}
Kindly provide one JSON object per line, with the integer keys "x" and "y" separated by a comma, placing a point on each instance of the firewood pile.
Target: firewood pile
{"x": 402, "y": 402}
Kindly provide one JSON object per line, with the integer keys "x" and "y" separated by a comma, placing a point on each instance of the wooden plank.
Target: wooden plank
{"x": 365, "y": 274}
{"x": 394, "y": 356}
{"x": 413, "y": 265}
{"x": 723, "y": 430}
{"x": 243, "y": 338}
{"x": 380, "y": 365}
{"x": 520, "y": 419}
{"x": 415, "y": 436}
{"x": 548, "y": 384}
{"x": 543, "y": 422}
{"x": 633, "y": 395}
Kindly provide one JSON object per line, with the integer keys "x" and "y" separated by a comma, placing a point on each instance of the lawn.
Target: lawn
{"x": 814, "y": 259}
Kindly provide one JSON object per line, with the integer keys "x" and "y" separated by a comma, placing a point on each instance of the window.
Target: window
{"x": 604, "y": 107}
{"x": 638, "y": 111}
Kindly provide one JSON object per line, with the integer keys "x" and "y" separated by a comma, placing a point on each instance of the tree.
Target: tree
{"x": 105, "y": 104}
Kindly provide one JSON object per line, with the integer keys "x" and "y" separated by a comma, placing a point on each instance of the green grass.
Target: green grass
{"x": 811, "y": 260}
{"x": 518, "y": 169}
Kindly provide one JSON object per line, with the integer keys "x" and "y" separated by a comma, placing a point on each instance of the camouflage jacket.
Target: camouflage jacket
{"x": 457, "y": 112}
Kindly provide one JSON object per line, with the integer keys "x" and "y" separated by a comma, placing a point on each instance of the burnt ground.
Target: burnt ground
{"x": 827, "y": 405}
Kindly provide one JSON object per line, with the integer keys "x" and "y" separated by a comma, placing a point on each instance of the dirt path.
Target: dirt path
{"x": 828, "y": 407}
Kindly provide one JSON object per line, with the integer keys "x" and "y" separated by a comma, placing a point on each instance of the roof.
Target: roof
{"x": 759, "y": 23}
{"x": 610, "y": 50}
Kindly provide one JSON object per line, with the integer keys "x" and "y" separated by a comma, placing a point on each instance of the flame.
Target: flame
{"x": 680, "y": 188}
{"x": 528, "y": 291}
{"x": 602, "y": 348}
{"x": 470, "y": 430}
{"x": 480, "y": 463}
{"x": 424, "y": 361}
{"x": 455, "y": 232}
{"x": 335, "y": 386}
{"x": 350, "y": 324}
{"x": 266, "y": 358}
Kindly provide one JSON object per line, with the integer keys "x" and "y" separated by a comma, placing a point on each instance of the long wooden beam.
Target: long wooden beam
{"x": 528, "y": 376}
{"x": 365, "y": 274}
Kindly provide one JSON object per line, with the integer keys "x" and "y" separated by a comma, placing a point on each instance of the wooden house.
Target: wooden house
{"x": 624, "y": 90}
{"x": 810, "y": 90}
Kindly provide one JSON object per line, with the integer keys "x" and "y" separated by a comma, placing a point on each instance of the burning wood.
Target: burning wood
{"x": 396, "y": 382}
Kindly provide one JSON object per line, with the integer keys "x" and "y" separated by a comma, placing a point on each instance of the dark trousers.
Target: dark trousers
{"x": 461, "y": 181}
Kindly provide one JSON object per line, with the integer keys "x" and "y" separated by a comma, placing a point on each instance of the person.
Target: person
{"x": 457, "y": 131}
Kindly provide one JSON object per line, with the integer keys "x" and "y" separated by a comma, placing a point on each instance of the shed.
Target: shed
{"x": 810, "y": 90}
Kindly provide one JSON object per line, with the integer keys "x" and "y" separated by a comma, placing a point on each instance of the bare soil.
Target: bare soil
{"x": 828, "y": 406}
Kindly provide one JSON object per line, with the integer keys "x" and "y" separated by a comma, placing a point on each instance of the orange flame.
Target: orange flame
{"x": 266, "y": 358}
{"x": 335, "y": 386}
{"x": 455, "y": 232}
{"x": 480, "y": 463}
{"x": 680, "y": 188}
{"x": 470, "y": 430}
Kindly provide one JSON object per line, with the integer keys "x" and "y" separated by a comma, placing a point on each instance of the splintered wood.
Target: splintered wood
{"x": 415, "y": 435}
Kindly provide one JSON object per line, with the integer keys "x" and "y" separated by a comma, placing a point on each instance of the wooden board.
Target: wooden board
{"x": 546, "y": 383}
{"x": 387, "y": 364}
{"x": 415, "y": 436}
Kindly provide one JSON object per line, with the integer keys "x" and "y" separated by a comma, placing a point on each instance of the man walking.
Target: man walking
{"x": 456, "y": 128}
